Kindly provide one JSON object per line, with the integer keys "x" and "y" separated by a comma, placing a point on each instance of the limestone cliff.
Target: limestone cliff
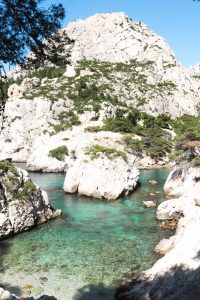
{"x": 116, "y": 65}
{"x": 23, "y": 205}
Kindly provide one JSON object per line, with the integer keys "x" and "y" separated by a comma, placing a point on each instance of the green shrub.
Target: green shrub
{"x": 28, "y": 189}
{"x": 49, "y": 72}
{"x": 156, "y": 142}
{"x": 123, "y": 122}
{"x": 66, "y": 119}
{"x": 196, "y": 161}
{"x": 92, "y": 129}
{"x": 6, "y": 166}
{"x": 59, "y": 153}
{"x": 187, "y": 128}
{"x": 133, "y": 144}
{"x": 95, "y": 152}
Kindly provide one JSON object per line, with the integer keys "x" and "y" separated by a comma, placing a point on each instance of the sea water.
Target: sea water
{"x": 91, "y": 248}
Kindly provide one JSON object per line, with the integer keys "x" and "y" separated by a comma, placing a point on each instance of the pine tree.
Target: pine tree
{"x": 24, "y": 27}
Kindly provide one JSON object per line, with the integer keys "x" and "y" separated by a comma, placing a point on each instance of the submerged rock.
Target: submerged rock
{"x": 149, "y": 204}
{"x": 23, "y": 204}
{"x": 153, "y": 182}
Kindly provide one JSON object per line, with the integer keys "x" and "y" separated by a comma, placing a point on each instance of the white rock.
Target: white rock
{"x": 70, "y": 71}
{"x": 182, "y": 181}
{"x": 1, "y": 291}
{"x": 6, "y": 295}
{"x": 165, "y": 245}
{"x": 21, "y": 210}
{"x": 149, "y": 204}
{"x": 101, "y": 178}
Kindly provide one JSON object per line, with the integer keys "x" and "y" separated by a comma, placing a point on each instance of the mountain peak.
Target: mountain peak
{"x": 114, "y": 37}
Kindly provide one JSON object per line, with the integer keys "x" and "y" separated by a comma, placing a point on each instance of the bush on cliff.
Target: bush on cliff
{"x": 59, "y": 153}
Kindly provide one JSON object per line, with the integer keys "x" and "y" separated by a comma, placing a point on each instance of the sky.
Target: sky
{"x": 178, "y": 21}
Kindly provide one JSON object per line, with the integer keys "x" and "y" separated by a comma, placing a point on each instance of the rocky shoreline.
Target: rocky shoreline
{"x": 174, "y": 276}
{"x": 23, "y": 205}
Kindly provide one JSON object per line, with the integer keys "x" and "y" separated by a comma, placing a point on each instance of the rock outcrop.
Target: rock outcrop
{"x": 176, "y": 275}
{"x": 185, "y": 178}
{"x": 23, "y": 204}
{"x": 102, "y": 178}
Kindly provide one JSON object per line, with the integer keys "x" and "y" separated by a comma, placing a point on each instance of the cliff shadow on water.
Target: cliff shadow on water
{"x": 178, "y": 283}
{"x": 91, "y": 292}
{"x": 4, "y": 249}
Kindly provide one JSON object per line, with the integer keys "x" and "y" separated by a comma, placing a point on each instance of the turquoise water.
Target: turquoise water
{"x": 100, "y": 243}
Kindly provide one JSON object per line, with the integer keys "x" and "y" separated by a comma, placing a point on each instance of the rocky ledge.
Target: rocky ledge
{"x": 177, "y": 274}
{"x": 23, "y": 204}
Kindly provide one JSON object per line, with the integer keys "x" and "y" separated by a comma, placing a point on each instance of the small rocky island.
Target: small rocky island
{"x": 23, "y": 205}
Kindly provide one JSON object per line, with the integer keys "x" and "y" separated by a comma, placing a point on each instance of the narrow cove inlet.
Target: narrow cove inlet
{"x": 90, "y": 249}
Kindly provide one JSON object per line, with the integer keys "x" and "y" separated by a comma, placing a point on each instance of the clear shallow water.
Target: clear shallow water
{"x": 94, "y": 243}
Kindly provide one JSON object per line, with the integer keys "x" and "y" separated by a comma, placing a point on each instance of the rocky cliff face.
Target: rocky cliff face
{"x": 115, "y": 64}
{"x": 23, "y": 205}
{"x": 175, "y": 275}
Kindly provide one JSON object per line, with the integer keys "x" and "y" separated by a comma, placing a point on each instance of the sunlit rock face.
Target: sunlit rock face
{"x": 23, "y": 204}
{"x": 102, "y": 178}
{"x": 113, "y": 62}
{"x": 184, "y": 179}
{"x": 113, "y": 37}
{"x": 175, "y": 275}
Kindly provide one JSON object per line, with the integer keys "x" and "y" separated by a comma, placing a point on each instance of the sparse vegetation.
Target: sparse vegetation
{"x": 28, "y": 189}
{"x": 196, "y": 161}
{"x": 59, "y": 153}
{"x": 66, "y": 120}
{"x": 93, "y": 129}
{"x": 6, "y": 166}
{"x": 96, "y": 151}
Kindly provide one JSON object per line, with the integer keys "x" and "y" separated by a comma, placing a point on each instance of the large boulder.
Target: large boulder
{"x": 102, "y": 178}
{"x": 23, "y": 204}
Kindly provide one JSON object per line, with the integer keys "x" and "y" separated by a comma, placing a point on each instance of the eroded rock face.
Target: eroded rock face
{"x": 23, "y": 204}
{"x": 184, "y": 179}
{"x": 141, "y": 71}
{"x": 102, "y": 178}
{"x": 176, "y": 275}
